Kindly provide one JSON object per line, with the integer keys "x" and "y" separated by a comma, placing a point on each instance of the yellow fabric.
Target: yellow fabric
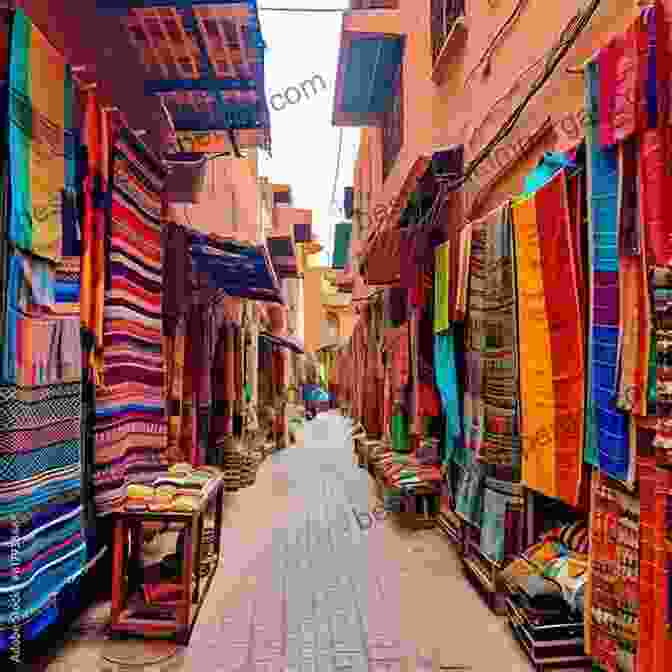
{"x": 442, "y": 287}
{"x": 186, "y": 504}
{"x": 536, "y": 386}
{"x": 139, "y": 492}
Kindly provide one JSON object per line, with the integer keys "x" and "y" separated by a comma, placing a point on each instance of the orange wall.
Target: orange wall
{"x": 436, "y": 115}
{"x": 313, "y": 311}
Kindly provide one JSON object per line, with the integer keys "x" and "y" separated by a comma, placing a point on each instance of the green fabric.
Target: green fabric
{"x": 248, "y": 393}
{"x": 399, "y": 431}
{"x": 653, "y": 367}
{"x": 342, "y": 236}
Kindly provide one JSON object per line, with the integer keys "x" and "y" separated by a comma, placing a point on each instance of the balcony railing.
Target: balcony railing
{"x": 445, "y": 13}
{"x": 393, "y": 126}
{"x": 374, "y": 4}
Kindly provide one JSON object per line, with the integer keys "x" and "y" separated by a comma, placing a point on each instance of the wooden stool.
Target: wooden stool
{"x": 126, "y": 570}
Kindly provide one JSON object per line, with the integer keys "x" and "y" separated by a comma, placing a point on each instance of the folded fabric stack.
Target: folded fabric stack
{"x": 139, "y": 497}
{"x": 401, "y": 470}
{"x": 182, "y": 489}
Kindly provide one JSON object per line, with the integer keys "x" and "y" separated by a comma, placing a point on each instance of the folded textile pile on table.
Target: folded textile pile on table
{"x": 182, "y": 489}
{"x": 552, "y": 574}
{"x": 403, "y": 470}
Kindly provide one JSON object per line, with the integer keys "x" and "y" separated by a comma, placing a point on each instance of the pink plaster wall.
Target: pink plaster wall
{"x": 436, "y": 115}
{"x": 314, "y": 313}
{"x": 229, "y": 205}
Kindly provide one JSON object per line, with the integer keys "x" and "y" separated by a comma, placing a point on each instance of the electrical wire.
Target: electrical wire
{"x": 494, "y": 43}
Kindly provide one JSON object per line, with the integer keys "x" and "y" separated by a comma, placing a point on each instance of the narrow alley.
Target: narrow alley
{"x": 304, "y": 587}
{"x": 335, "y": 336}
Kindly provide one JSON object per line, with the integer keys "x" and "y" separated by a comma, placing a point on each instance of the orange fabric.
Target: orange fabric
{"x": 92, "y": 300}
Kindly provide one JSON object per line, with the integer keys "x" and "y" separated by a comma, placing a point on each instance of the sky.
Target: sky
{"x": 304, "y": 143}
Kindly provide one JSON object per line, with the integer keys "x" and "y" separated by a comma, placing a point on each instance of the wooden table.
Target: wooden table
{"x": 127, "y": 572}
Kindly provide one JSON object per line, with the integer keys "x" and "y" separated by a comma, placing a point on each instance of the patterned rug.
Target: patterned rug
{"x": 131, "y": 433}
{"x": 42, "y": 546}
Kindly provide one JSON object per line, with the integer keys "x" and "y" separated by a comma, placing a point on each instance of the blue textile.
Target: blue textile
{"x": 550, "y": 164}
{"x": 607, "y": 435}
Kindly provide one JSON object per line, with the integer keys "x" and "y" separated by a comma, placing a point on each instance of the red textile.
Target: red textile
{"x": 607, "y": 60}
{"x": 566, "y": 332}
{"x": 383, "y": 265}
{"x": 656, "y": 183}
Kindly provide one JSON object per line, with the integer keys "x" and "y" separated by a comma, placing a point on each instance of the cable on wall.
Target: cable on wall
{"x": 486, "y": 58}
{"x": 568, "y": 37}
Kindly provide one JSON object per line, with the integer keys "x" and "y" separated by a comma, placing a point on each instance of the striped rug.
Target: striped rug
{"x": 131, "y": 429}
{"x": 42, "y": 546}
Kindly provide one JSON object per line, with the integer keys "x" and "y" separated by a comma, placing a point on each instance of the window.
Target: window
{"x": 393, "y": 126}
{"x": 444, "y": 15}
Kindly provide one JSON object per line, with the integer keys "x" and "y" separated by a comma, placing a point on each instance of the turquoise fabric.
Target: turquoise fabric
{"x": 342, "y": 236}
{"x": 446, "y": 380}
{"x": 550, "y": 164}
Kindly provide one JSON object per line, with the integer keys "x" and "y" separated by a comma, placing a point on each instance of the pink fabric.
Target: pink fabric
{"x": 608, "y": 61}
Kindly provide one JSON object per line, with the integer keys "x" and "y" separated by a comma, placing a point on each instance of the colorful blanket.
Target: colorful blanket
{"x": 40, "y": 508}
{"x": 95, "y": 199}
{"x": 40, "y": 108}
{"x": 551, "y": 338}
{"x": 491, "y": 413}
{"x": 130, "y": 420}
{"x": 607, "y": 427}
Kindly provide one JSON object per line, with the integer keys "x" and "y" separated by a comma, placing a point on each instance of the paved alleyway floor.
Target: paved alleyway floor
{"x": 303, "y": 587}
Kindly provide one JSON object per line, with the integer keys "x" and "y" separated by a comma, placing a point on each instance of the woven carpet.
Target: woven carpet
{"x": 42, "y": 546}
{"x": 131, "y": 430}
{"x": 491, "y": 414}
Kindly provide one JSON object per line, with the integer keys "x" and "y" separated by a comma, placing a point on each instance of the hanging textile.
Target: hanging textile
{"x": 96, "y": 192}
{"x": 551, "y": 336}
{"x": 491, "y": 414}
{"x": 177, "y": 272}
{"x": 463, "y": 268}
{"x": 661, "y": 287}
{"x": 130, "y": 422}
{"x": 618, "y": 87}
{"x": 445, "y": 369}
{"x": 502, "y": 508}
{"x": 383, "y": 264}
{"x": 441, "y": 288}
{"x": 469, "y": 496}
{"x": 40, "y": 92}
{"x": 614, "y": 575}
{"x": 40, "y": 502}
{"x": 635, "y": 310}
{"x": 607, "y": 428}
{"x": 551, "y": 163}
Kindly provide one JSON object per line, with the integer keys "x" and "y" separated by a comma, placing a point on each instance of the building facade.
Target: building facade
{"x": 458, "y": 68}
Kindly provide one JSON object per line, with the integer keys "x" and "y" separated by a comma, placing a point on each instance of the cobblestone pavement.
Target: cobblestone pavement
{"x": 303, "y": 588}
